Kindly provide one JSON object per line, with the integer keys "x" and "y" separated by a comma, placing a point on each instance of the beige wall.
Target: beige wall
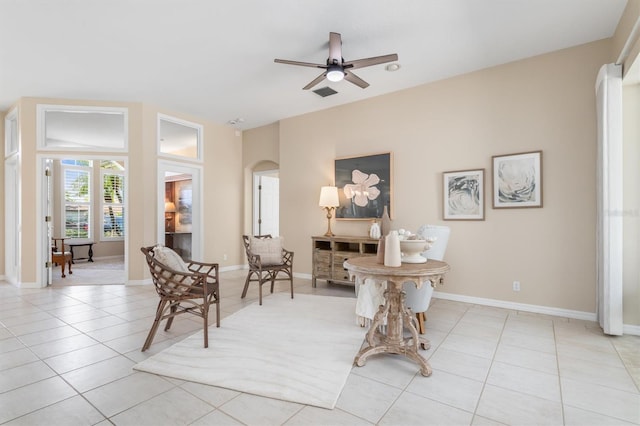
{"x": 223, "y": 195}
{"x": 544, "y": 103}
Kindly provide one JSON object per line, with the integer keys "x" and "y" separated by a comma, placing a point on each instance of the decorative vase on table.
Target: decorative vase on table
{"x": 385, "y": 224}
{"x": 392, "y": 254}
{"x": 380, "y": 252}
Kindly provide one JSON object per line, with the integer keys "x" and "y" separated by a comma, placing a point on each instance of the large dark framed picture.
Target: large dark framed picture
{"x": 364, "y": 186}
{"x": 517, "y": 180}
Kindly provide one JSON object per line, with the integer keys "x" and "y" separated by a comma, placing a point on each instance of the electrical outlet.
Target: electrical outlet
{"x": 516, "y": 286}
{"x": 224, "y": 257}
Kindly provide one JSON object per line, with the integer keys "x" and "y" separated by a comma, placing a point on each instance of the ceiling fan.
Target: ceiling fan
{"x": 336, "y": 68}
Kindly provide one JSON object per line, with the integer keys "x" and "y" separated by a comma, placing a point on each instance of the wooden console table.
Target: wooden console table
{"x": 329, "y": 254}
{"x": 394, "y": 310}
{"x": 81, "y": 244}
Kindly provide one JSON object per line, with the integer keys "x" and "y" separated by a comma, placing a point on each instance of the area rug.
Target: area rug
{"x": 298, "y": 350}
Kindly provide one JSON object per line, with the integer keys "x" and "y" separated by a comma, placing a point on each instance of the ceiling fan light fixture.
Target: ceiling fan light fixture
{"x": 335, "y": 73}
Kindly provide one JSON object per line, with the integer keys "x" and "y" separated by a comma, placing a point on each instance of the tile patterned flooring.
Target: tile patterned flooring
{"x": 66, "y": 357}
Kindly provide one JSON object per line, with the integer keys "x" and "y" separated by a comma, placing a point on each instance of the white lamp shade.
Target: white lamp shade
{"x": 329, "y": 197}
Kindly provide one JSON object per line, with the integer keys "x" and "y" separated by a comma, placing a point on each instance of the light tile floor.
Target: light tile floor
{"x": 66, "y": 357}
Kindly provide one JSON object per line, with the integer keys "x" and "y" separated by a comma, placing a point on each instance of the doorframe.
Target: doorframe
{"x": 13, "y": 219}
{"x": 41, "y": 209}
{"x": 197, "y": 223}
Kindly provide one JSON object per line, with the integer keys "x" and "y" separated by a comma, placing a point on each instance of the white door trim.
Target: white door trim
{"x": 41, "y": 206}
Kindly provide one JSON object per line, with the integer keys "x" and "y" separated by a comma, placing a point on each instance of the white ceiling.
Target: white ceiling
{"x": 214, "y": 59}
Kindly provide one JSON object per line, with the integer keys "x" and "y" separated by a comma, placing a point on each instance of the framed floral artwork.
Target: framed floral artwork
{"x": 517, "y": 180}
{"x": 364, "y": 186}
{"x": 463, "y": 195}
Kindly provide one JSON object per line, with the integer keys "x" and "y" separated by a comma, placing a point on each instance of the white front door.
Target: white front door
{"x": 266, "y": 203}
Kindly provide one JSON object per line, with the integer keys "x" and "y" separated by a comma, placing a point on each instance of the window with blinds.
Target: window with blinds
{"x": 112, "y": 175}
{"x": 77, "y": 198}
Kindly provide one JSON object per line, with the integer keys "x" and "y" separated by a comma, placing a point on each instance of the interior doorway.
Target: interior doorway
{"x": 266, "y": 202}
{"x": 180, "y": 208}
{"x": 84, "y": 208}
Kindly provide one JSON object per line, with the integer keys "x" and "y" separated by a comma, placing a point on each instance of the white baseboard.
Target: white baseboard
{"x": 547, "y": 310}
{"x": 146, "y": 281}
{"x": 23, "y": 284}
{"x": 633, "y": 330}
{"x": 233, "y": 268}
{"x": 303, "y": 276}
{"x": 107, "y": 257}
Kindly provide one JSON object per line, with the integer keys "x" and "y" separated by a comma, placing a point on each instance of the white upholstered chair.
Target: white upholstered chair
{"x": 418, "y": 299}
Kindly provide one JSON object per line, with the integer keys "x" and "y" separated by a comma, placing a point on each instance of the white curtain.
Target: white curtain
{"x": 609, "y": 198}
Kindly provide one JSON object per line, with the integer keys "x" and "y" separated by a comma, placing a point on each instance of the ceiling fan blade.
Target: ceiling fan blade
{"x": 315, "y": 81}
{"x": 302, "y": 64}
{"x": 367, "y": 62}
{"x": 335, "y": 48}
{"x": 352, "y": 78}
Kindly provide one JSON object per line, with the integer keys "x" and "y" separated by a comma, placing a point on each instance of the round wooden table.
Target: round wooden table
{"x": 394, "y": 310}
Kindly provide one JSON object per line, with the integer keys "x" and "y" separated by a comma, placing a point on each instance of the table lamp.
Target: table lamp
{"x": 329, "y": 201}
{"x": 169, "y": 210}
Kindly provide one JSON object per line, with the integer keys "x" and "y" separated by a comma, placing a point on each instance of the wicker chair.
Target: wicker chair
{"x": 189, "y": 290}
{"x": 266, "y": 267}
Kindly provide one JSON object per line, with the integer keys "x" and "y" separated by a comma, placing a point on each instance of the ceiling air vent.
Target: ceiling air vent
{"x": 325, "y": 91}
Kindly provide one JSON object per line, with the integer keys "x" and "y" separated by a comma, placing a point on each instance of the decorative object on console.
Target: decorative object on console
{"x": 463, "y": 195}
{"x": 517, "y": 180}
{"x": 374, "y": 230}
{"x": 392, "y": 254}
{"x": 365, "y": 186}
{"x": 329, "y": 201}
{"x": 385, "y": 226}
